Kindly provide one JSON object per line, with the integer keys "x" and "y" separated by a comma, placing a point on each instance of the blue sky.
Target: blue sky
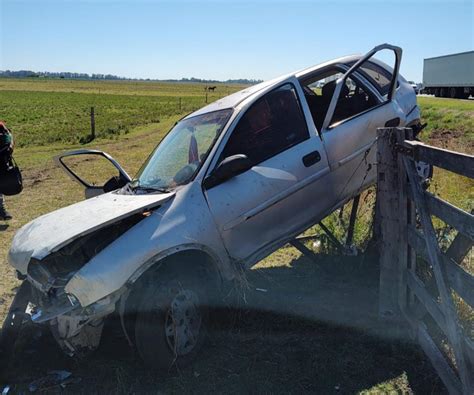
{"x": 223, "y": 39}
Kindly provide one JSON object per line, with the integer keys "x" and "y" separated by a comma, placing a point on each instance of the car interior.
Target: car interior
{"x": 353, "y": 99}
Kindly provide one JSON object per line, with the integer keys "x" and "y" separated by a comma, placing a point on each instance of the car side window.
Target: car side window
{"x": 318, "y": 91}
{"x": 379, "y": 77}
{"x": 271, "y": 125}
{"x": 354, "y": 98}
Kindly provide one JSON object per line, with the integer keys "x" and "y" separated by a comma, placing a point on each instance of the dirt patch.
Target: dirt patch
{"x": 33, "y": 177}
{"x": 451, "y": 139}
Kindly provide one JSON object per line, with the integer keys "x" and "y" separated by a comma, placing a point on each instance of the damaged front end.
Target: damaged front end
{"x": 50, "y": 252}
{"x": 77, "y": 329}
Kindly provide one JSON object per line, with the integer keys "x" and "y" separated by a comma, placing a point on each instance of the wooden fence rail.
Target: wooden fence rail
{"x": 428, "y": 302}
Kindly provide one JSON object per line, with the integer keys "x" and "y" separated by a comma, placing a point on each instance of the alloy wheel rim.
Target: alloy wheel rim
{"x": 183, "y": 322}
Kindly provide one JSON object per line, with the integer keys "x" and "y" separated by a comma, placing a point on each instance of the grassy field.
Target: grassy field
{"x": 48, "y": 111}
{"x": 115, "y": 87}
{"x": 43, "y": 128}
{"x": 449, "y": 119}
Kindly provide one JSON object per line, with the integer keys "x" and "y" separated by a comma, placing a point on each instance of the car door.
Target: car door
{"x": 96, "y": 171}
{"x": 277, "y": 195}
{"x": 356, "y": 110}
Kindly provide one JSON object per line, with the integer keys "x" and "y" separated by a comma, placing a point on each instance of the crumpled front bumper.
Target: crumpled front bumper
{"x": 75, "y": 328}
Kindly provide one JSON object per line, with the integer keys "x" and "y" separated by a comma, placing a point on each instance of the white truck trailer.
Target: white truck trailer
{"x": 449, "y": 75}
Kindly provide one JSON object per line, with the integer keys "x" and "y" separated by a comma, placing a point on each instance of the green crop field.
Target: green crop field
{"x": 52, "y": 116}
{"x": 49, "y": 111}
{"x": 115, "y": 87}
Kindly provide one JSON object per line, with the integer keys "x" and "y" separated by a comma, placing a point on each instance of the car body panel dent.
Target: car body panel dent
{"x": 181, "y": 223}
{"x": 52, "y": 231}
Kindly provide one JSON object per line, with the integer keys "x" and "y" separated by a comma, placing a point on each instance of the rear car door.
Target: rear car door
{"x": 362, "y": 102}
{"x": 277, "y": 196}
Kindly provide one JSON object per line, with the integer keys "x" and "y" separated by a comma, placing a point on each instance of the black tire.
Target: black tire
{"x": 437, "y": 92}
{"x": 159, "y": 321}
{"x": 453, "y": 93}
{"x": 443, "y": 92}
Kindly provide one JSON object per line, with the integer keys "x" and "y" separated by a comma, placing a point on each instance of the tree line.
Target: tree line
{"x": 85, "y": 76}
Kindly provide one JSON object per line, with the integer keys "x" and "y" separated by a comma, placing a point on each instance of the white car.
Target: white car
{"x": 230, "y": 184}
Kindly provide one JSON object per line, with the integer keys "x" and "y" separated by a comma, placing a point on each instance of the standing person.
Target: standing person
{"x": 6, "y": 150}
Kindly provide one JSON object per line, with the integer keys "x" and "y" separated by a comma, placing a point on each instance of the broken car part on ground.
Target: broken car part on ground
{"x": 230, "y": 184}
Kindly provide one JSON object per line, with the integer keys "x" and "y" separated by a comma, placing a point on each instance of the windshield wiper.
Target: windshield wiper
{"x": 145, "y": 188}
{"x": 150, "y": 189}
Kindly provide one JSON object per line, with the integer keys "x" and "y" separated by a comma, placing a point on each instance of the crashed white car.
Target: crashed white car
{"x": 230, "y": 184}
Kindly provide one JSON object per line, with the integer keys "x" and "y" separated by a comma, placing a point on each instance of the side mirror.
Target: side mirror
{"x": 228, "y": 168}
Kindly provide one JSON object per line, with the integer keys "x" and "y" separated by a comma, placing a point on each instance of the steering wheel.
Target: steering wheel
{"x": 185, "y": 173}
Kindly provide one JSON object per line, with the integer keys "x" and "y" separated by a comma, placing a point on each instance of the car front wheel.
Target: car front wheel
{"x": 171, "y": 322}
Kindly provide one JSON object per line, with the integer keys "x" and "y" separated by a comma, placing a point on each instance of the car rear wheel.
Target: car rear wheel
{"x": 171, "y": 322}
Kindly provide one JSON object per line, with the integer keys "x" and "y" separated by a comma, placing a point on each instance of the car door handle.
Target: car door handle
{"x": 311, "y": 158}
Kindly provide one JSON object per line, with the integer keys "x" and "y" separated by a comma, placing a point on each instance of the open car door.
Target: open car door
{"x": 362, "y": 102}
{"x": 96, "y": 171}
{"x": 387, "y": 92}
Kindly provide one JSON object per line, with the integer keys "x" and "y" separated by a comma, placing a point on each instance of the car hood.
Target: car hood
{"x": 52, "y": 231}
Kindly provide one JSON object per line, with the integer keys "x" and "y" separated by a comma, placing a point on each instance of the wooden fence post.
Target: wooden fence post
{"x": 206, "y": 97}
{"x": 389, "y": 241}
{"x": 92, "y": 123}
{"x": 407, "y": 258}
{"x": 406, "y": 215}
{"x": 180, "y": 108}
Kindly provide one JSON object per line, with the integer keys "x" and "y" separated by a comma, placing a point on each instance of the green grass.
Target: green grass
{"x": 133, "y": 88}
{"x": 49, "y": 111}
{"x": 448, "y": 115}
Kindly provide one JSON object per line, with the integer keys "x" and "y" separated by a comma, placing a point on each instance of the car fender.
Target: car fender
{"x": 162, "y": 256}
{"x": 406, "y": 100}
{"x": 182, "y": 223}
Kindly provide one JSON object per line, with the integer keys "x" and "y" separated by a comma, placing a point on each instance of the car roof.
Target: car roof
{"x": 233, "y": 100}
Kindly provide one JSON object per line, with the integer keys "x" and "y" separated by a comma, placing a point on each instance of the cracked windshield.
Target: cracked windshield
{"x": 177, "y": 158}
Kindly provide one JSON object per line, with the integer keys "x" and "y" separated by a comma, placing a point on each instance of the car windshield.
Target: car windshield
{"x": 180, "y": 154}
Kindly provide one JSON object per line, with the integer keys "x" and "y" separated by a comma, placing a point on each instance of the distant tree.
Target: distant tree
{"x": 85, "y": 76}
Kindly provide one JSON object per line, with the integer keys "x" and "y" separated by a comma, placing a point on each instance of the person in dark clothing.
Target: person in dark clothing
{"x": 6, "y": 150}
